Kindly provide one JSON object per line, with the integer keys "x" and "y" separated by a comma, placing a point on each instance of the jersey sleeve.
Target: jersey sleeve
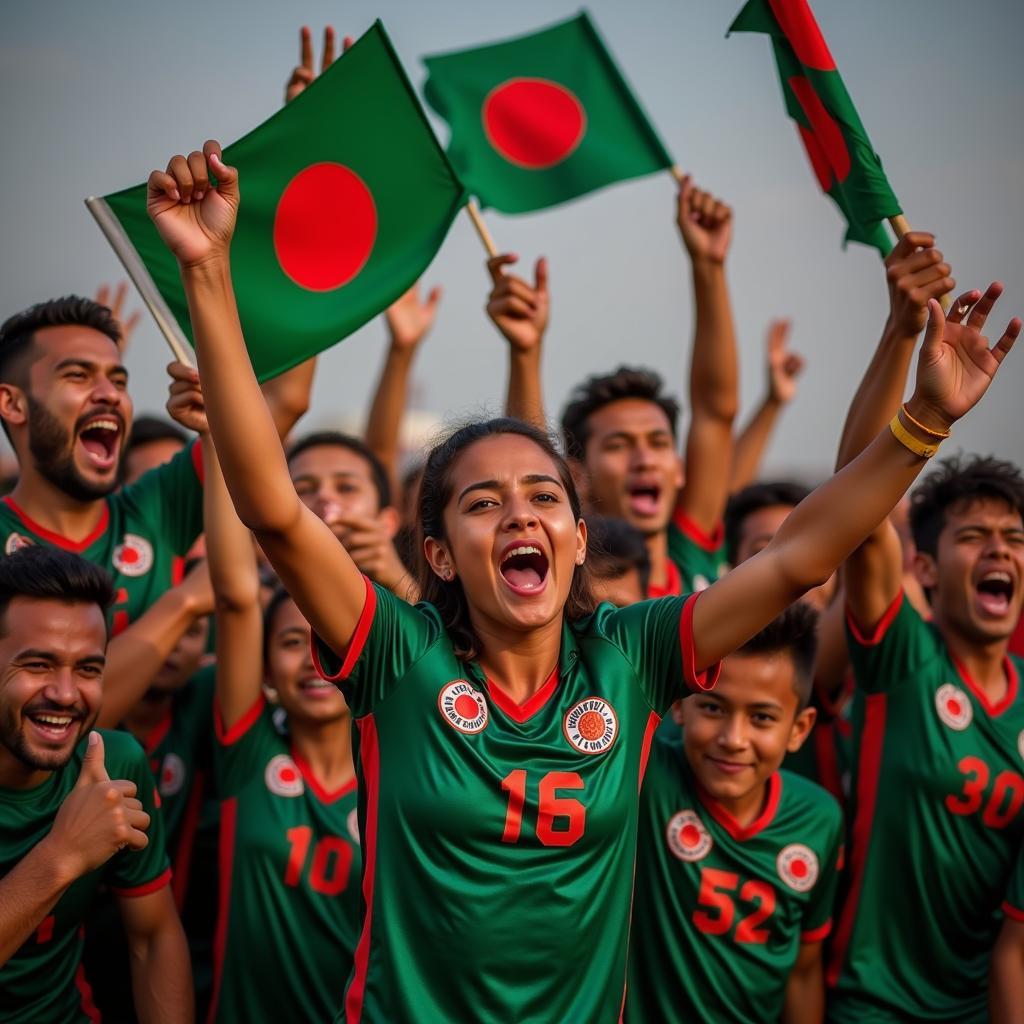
{"x": 171, "y": 498}
{"x": 817, "y": 919}
{"x": 390, "y": 637}
{"x": 136, "y": 872}
{"x": 891, "y": 652}
{"x": 1013, "y": 905}
{"x": 657, "y": 638}
{"x": 241, "y": 753}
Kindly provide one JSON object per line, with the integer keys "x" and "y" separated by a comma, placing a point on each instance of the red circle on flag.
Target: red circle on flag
{"x": 801, "y": 30}
{"x": 324, "y": 227}
{"x": 466, "y": 706}
{"x": 532, "y": 122}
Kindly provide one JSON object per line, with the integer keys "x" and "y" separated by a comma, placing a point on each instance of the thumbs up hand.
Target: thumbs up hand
{"x": 98, "y": 818}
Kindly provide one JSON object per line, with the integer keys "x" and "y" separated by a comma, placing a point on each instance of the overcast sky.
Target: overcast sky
{"x": 97, "y": 94}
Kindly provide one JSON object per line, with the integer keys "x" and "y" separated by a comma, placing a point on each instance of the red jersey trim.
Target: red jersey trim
{"x": 227, "y": 737}
{"x": 674, "y": 585}
{"x": 993, "y": 710}
{"x": 324, "y": 795}
{"x": 182, "y": 861}
{"x": 523, "y": 712}
{"x": 58, "y": 539}
{"x": 144, "y": 890}
{"x": 875, "y": 636}
{"x": 731, "y": 825}
{"x": 817, "y": 934}
{"x": 85, "y": 993}
{"x": 710, "y": 542}
{"x": 228, "y": 814}
{"x": 872, "y": 745}
{"x": 653, "y": 721}
{"x": 824, "y": 739}
{"x": 694, "y": 680}
{"x": 1012, "y": 912}
{"x": 369, "y": 759}
{"x": 156, "y": 735}
{"x": 197, "y": 463}
{"x": 356, "y": 644}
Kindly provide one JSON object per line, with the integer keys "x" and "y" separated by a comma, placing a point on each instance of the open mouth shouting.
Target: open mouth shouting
{"x": 994, "y": 593}
{"x": 524, "y": 567}
{"x": 644, "y": 498}
{"x": 100, "y": 437}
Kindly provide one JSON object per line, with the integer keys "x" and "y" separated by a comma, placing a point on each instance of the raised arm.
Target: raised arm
{"x": 311, "y": 563}
{"x": 954, "y": 370}
{"x": 705, "y": 224}
{"x": 784, "y": 368}
{"x": 520, "y": 311}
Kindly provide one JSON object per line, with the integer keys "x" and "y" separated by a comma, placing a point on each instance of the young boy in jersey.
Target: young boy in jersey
{"x": 736, "y": 861}
{"x": 65, "y": 827}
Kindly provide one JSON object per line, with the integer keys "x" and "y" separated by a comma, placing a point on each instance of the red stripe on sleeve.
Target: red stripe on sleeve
{"x": 369, "y": 761}
{"x": 1012, "y": 912}
{"x": 873, "y": 637}
{"x": 229, "y": 811}
{"x": 356, "y": 644}
{"x": 653, "y": 721}
{"x": 817, "y": 934}
{"x": 197, "y": 462}
{"x": 229, "y": 736}
{"x": 144, "y": 890}
{"x": 694, "y": 680}
{"x": 692, "y": 531}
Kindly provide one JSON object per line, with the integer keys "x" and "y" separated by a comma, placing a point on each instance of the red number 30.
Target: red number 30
{"x": 1004, "y": 802}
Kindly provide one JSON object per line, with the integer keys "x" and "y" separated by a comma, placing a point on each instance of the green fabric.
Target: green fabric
{"x": 363, "y": 114}
{"x": 618, "y": 142}
{"x": 862, "y": 194}
{"x": 38, "y": 982}
{"x": 947, "y": 826}
{"x": 687, "y": 960}
{"x": 291, "y": 886}
{"x": 150, "y": 526}
{"x": 488, "y": 907}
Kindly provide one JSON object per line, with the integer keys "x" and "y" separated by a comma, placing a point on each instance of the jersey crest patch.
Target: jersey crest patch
{"x": 17, "y": 541}
{"x": 591, "y": 726}
{"x": 172, "y": 775}
{"x": 953, "y": 706}
{"x": 687, "y": 837}
{"x": 353, "y": 824}
{"x": 282, "y": 777}
{"x": 134, "y": 557}
{"x": 798, "y": 866}
{"x": 463, "y": 707}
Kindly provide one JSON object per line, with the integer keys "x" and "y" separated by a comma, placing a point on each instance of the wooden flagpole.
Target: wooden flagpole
{"x": 481, "y": 228}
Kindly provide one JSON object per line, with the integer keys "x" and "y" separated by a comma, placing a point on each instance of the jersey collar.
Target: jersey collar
{"x": 323, "y": 795}
{"x": 730, "y": 824}
{"x": 523, "y": 712}
{"x": 673, "y": 585}
{"x": 992, "y": 710}
{"x": 57, "y": 539}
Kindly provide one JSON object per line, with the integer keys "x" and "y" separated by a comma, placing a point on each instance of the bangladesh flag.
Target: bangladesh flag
{"x": 846, "y": 166}
{"x": 346, "y": 198}
{"x": 541, "y": 119}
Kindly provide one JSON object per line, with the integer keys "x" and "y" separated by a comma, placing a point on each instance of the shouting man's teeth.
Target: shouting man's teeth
{"x": 99, "y": 438}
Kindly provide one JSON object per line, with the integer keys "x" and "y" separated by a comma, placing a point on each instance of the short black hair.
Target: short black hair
{"x": 794, "y": 632}
{"x": 147, "y": 429}
{"x": 961, "y": 480}
{"x": 753, "y": 498}
{"x": 51, "y": 574}
{"x": 600, "y": 390}
{"x": 336, "y": 439}
{"x": 614, "y": 547}
{"x": 18, "y": 332}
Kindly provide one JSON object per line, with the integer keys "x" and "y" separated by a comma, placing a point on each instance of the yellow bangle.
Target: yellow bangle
{"x": 939, "y": 435}
{"x": 911, "y": 443}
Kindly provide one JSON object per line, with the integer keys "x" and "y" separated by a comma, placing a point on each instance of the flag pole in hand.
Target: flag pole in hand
{"x": 481, "y": 228}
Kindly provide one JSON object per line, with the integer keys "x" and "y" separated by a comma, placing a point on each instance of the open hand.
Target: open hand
{"x": 115, "y": 303}
{"x": 704, "y": 222}
{"x": 520, "y": 311}
{"x": 194, "y": 217}
{"x": 916, "y": 272}
{"x": 409, "y": 319}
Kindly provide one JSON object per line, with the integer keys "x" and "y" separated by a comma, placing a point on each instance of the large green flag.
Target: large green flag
{"x": 346, "y": 198}
{"x": 541, "y": 119}
{"x": 846, "y": 166}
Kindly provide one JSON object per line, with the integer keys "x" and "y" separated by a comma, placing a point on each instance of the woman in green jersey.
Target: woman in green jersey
{"x": 501, "y": 729}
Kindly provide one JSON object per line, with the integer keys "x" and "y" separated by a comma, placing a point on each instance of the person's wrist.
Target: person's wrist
{"x": 215, "y": 266}
{"x": 62, "y": 865}
{"x": 705, "y": 266}
{"x": 922, "y": 413}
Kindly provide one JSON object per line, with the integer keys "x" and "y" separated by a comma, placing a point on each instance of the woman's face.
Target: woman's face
{"x": 290, "y": 672}
{"x": 513, "y": 540}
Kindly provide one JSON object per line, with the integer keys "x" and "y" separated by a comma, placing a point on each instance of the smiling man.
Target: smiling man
{"x": 66, "y": 827}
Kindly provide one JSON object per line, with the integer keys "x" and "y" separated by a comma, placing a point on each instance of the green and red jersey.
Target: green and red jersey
{"x": 43, "y": 980}
{"x": 499, "y": 839}
{"x": 696, "y": 558}
{"x": 827, "y": 754}
{"x": 937, "y": 823}
{"x": 144, "y": 532}
{"x": 290, "y": 859}
{"x": 719, "y": 909}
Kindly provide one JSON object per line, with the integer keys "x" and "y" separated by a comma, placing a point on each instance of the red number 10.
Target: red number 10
{"x": 550, "y": 808}
{"x": 332, "y": 861}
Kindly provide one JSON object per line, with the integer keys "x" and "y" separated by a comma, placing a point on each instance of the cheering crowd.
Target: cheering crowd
{"x": 579, "y": 728}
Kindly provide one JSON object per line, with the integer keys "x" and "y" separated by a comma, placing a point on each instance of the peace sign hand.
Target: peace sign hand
{"x": 303, "y": 74}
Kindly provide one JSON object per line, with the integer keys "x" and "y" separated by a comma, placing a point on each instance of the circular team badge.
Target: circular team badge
{"x": 953, "y": 706}
{"x": 134, "y": 557}
{"x": 353, "y": 824}
{"x": 591, "y": 726}
{"x": 798, "y": 866}
{"x": 687, "y": 837}
{"x": 172, "y": 775}
{"x": 282, "y": 777}
{"x": 463, "y": 707}
{"x": 15, "y": 542}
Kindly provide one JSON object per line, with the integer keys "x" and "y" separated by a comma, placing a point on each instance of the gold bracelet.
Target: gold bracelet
{"x": 940, "y": 435}
{"x": 911, "y": 443}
